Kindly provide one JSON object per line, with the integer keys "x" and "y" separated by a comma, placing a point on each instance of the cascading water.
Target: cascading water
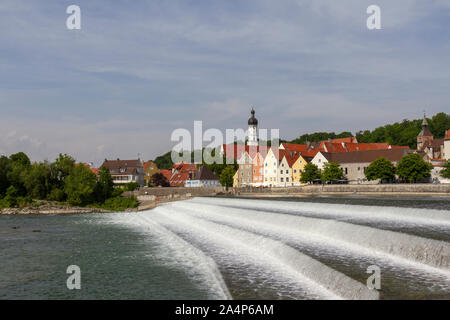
{"x": 320, "y": 251}
{"x": 176, "y": 251}
{"x": 334, "y": 233}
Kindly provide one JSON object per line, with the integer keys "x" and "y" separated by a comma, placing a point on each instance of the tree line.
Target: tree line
{"x": 402, "y": 133}
{"x": 63, "y": 181}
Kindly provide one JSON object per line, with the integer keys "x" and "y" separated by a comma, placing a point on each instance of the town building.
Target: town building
{"x": 428, "y": 147}
{"x": 245, "y": 170}
{"x": 181, "y": 172}
{"x": 150, "y": 168}
{"x": 297, "y": 168}
{"x": 355, "y": 163}
{"x": 203, "y": 177}
{"x": 125, "y": 171}
{"x": 284, "y": 169}
{"x": 271, "y": 168}
{"x": 258, "y": 170}
{"x": 446, "y": 155}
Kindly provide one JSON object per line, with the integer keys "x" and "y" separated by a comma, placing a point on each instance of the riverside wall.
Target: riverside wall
{"x": 378, "y": 189}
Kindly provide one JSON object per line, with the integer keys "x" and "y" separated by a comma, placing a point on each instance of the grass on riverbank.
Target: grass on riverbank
{"x": 117, "y": 203}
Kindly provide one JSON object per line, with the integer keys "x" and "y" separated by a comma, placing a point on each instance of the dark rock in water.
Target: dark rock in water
{"x": 36, "y": 230}
{"x": 15, "y": 227}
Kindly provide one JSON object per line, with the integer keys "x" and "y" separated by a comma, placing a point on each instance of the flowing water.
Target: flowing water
{"x": 226, "y": 248}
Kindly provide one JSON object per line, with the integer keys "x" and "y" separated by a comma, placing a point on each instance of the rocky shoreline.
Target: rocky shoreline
{"x": 51, "y": 209}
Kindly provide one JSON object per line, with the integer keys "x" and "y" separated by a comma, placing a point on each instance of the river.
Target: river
{"x": 227, "y": 248}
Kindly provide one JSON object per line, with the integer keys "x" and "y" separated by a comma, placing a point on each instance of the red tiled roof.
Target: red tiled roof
{"x": 94, "y": 170}
{"x": 235, "y": 151}
{"x": 178, "y": 179}
{"x": 295, "y": 147}
{"x": 184, "y": 167}
{"x": 346, "y": 140}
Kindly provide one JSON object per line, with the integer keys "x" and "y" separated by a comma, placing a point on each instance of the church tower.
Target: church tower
{"x": 425, "y": 137}
{"x": 252, "y": 130}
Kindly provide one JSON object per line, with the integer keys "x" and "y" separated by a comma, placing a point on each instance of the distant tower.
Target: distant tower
{"x": 425, "y": 137}
{"x": 252, "y": 130}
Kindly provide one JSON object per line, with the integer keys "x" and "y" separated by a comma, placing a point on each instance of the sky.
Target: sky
{"x": 137, "y": 70}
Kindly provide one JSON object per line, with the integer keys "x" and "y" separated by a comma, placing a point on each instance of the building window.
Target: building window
{"x": 287, "y": 171}
{"x": 346, "y": 170}
{"x": 359, "y": 169}
{"x": 281, "y": 171}
{"x": 295, "y": 170}
{"x": 281, "y": 179}
{"x": 287, "y": 179}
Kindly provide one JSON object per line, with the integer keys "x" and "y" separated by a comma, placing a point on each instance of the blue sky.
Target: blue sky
{"x": 138, "y": 69}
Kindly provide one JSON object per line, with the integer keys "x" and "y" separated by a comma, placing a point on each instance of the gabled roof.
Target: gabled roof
{"x": 365, "y": 156}
{"x": 178, "y": 179}
{"x": 204, "y": 173}
{"x": 127, "y": 166}
{"x": 184, "y": 167}
{"x": 235, "y": 151}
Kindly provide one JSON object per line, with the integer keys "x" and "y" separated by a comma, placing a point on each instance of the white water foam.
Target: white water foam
{"x": 315, "y": 276}
{"x": 401, "y": 249}
{"x": 401, "y": 216}
{"x": 179, "y": 253}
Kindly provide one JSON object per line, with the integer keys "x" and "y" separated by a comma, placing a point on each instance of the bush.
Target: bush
{"x": 120, "y": 203}
{"x": 131, "y": 186}
{"x": 56, "y": 195}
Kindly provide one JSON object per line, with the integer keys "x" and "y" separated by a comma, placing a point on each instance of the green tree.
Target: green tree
{"x": 445, "y": 173}
{"x": 60, "y": 170}
{"x": 382, "y": 169}
{"x": 412, "y": 168}
{"x": 164, "y": 161}
{"x": 310, "y": 173}
{"x": 80, "y": 186}
{"x": 332, "y": 171}
{"x": 226, "y": 176}
{"x": 20, "y": 158}
{"x": 18, "y": 167}
{"x": 11, "y": 197}
{"x": 131, "y": 186}
{"x": 105, "y": 185}
{"x": 37, "y": 180}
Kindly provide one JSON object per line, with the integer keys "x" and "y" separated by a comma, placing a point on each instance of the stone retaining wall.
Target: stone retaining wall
{"x": 443, "y": 189}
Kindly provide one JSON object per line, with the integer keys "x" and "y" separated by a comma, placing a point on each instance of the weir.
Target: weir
{"x": 179, "y": 253}
{"x": 428, "y": 254}
{"x": 405, "y": 216}
{"x": 309, "y": 272}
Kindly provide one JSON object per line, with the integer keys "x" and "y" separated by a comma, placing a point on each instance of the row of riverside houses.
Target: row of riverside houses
{"x": 281, "y": 166}
{"x": 180, "y": 175}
